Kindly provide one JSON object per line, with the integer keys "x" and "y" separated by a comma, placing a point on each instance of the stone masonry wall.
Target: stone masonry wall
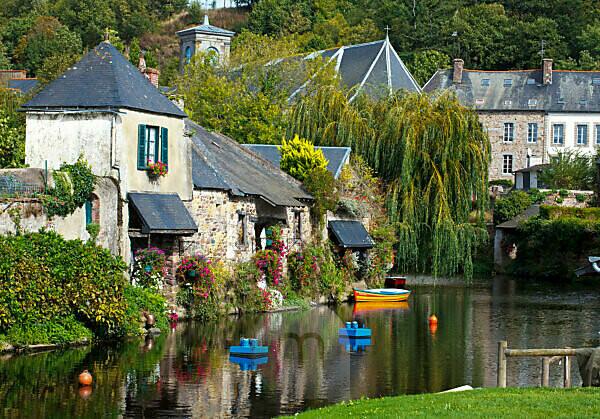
{"x": 493, "y": 122}
{"x": 217, "y": 215}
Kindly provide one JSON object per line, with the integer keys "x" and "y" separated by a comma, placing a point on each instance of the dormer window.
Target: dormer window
{"x": 479, "y": 101}
{"x": 532, "y": 102}
{"x": 153, "y": 146}
{"x": 531, "y": 81}
{"x": 507, "y": 82}
{"x": 596, "y": 81}
{"x": 508, "y": 103}
{"x": 485, "y": 82}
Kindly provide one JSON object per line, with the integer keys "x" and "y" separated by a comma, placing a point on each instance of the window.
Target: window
{"x": 532, "y": 102}
{"x": 509, "y": 132}
{"x": 596, "y": 81}
{"x": 507, "y": 102}
{"x": 507, "y": 82}
{"x": 558, "y": 134}
{"x": 92, "y": 210}
{"x": 297, "y": 225}
{"x": 479, "y": 101}
{"x": 485, "y": 82}
{"x": 530, "y": 81}
{"x": 597, "y": 134}
{"x": 507, "y": 164}
{"x": 153, "y": 146}
{"x": 582, "y": 134}
{"x": 242, "y": 228}
{"x": 188, "y": 54}
{"x": 532, "y": 132}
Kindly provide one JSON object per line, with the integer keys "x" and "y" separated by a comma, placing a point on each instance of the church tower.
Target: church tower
{"x": 204, "y": 38}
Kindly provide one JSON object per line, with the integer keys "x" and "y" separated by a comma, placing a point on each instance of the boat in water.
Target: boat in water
{"x": 381, "y": 294}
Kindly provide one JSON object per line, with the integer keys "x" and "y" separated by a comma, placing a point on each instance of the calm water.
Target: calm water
{"x": 187, "y": 372}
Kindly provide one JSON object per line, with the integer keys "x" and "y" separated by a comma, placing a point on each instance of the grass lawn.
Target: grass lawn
{"x": 483, "y": 403}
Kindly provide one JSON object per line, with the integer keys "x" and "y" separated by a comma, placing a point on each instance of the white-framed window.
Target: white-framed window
{"x": 532, "y": 132}
{"x": 558, "y": 134}
{"x": 582, "y": 134}
{"x": 507, "y": 164}
{"x": 151, "y": 144}
{"x": 507, "y": 82}
{"x": 597, "y": 134}
{"x": 509, "y": 132}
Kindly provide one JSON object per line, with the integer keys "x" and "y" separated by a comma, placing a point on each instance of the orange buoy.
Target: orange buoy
{"x": 85, "y": 378}
{"x": 433, "y": 319}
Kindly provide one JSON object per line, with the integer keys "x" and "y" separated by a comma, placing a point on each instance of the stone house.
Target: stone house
{"x": 107, "y": 111}
{"x": 238, "y": 195}
{"x": 529, "y": 114}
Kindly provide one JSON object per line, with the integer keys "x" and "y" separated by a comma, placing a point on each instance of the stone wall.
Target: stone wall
{"x": 33, "y": 217}
{"x": 493, "y": 122}
{"x": 218, "y": 216}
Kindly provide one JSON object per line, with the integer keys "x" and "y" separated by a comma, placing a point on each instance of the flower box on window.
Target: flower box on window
{"x": 157, "y": 170}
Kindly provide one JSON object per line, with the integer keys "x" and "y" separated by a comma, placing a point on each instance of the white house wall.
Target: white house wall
{"x": 570, "y": 121}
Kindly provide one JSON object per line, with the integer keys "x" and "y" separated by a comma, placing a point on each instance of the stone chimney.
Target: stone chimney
{"x": 458, "y": 71}
{"x": 152, "y": 74}
{"x": 546, "y": 71}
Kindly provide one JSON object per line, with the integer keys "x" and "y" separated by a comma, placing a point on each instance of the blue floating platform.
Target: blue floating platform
{"x": 248, "y": 364}
{"x": 249, "y": 348}
{"x": 353, "y": 331}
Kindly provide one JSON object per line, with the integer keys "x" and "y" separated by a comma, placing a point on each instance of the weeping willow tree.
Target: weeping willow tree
{"x": 433, "y": 156}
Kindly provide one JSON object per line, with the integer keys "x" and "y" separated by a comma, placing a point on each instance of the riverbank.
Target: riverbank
{"x": 489, "y": 402}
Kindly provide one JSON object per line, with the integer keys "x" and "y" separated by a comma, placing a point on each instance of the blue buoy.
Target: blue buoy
{"x": 249, "y": 348}
{"x": 353, "y": 331}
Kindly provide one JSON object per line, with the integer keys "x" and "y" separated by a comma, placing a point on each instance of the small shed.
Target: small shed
{"x": 528, "y": 177}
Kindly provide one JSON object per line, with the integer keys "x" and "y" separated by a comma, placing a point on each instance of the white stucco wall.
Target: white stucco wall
{"x": 570, "y": 121}
{"x": 57, "y": 138}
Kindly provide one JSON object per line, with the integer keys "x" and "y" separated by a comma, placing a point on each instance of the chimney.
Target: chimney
{"x": 546, "y": 71}
{"x": 458, "y": 71}
{"x": 152, "y": 74}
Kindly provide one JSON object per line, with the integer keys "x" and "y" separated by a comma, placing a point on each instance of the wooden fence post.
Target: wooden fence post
{"x": 545, "y": 371}
{"x": 501, "y": 370}
{"x": 567, "y": 372}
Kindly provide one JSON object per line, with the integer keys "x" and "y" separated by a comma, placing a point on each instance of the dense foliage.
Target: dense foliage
{"x": 45, "y": 278}
{"x": 433, "y": 156}
{"x": 570, "y": 169}
{"x": 299, "y": 157}
{"x": 73, "y": 186}
{"x": 511, "y": 205}
{"x": 12, "y": 129}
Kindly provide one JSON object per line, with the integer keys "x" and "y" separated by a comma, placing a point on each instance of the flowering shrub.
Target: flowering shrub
{"x": 197, "y": 271}
{"x": 150, "y": 267}
{"x": 158, "y": 169}
{"x": 270, "y": 261}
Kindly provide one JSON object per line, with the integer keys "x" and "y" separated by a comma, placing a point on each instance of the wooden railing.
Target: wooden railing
{"x": 549, "y": 356}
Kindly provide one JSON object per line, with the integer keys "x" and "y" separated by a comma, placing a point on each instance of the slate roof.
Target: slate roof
{"x": 513, "y": 223}
{"x": 351, "y": 234}
{"x": 570, "y": 91}
{"x": 336, "y": 157}
{"x": 374, "y": 67}
{"x": 162, "y": 213}
{"x": 206, "y": 28}
{"x": 23, "y": 85}
{"x": 103, "y": 79}
{"x": 220, "y": 163}
{"x": 534, "y": 168}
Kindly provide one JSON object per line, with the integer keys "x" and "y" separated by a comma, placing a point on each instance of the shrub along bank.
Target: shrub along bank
{"x": 557, "y": 242}
{"x": 54, "y": 290}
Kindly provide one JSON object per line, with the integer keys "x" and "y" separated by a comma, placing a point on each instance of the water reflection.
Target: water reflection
{"x": 188, "y": 372}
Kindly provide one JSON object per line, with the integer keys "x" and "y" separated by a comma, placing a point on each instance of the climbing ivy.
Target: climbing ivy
{"x": 73, "y": 186}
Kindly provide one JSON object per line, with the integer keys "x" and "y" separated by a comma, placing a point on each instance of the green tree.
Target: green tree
{"x": 12, "y": 130}
{"x": 47, "y": 37}
{"x": 424, "y": 64}
{"x": 87, "y": 18}
{"x": 434, "y": 157}
{"x": 569, "y": 169}
{"x": 299, "y": 157}
{"x": 528, "y": 39}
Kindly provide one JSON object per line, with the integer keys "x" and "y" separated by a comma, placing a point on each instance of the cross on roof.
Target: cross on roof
{"x": 387, "y": 31}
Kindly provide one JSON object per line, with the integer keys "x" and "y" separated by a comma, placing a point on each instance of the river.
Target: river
{"x": 187, "y": 372}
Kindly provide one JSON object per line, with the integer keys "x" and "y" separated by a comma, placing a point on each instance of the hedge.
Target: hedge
{"x": 553, "y": 212}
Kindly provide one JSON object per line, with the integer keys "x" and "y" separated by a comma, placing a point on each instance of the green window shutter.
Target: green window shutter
{"x": 141, "y": 158}
{"x": 164, "y": 146}
{"x": 88, "y": 212}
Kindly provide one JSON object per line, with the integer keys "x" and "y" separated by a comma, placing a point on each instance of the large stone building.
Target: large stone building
{"x": 529, "y": 114}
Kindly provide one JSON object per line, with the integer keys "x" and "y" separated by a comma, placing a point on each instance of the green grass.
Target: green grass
{"x": 483, "y": 403}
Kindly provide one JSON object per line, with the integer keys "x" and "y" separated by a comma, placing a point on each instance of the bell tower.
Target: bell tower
{"x": 204, "y": 38}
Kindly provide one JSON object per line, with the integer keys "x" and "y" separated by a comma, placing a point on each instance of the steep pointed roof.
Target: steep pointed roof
{"x": 103, "y": 79}
{"x": 373, "y": 68}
